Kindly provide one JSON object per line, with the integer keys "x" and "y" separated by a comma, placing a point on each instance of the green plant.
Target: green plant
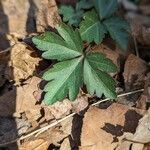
{"x": 97, "y": 23}
{"x": 76, "y": 66}
{"x": 74, "y": 15}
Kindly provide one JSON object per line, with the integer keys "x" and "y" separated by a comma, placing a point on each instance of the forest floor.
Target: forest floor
{"x": 88, "y": 123}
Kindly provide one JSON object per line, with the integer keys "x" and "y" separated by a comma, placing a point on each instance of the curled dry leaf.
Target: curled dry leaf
{"x": 22, "y": 64}
{"x": 101, "y": 128}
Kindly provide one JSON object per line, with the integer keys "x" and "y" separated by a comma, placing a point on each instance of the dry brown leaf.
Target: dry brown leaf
{"x": 101, "y": 128}
{"x": 44, "y": 13}
{"x": 54, "y": 135}
{"x": 47, "y": 15}
{"x": 60, "y": 109}
{"x": 12, "y": 10}
{"x": 65, "y": 145}
{"x": 81, "y": 103}
{"x": 137, "y": 146}
{"x": 125, "y": 145}
{"x": 47, "y": 114}
{"x": 38, "y": 144}
{"x": 142, "y": 134}
{"x": 21, "y": 100}
{"x": 22, "y": 64}
{"x": 134, "y": 72}
{"x": 140, "y": 32}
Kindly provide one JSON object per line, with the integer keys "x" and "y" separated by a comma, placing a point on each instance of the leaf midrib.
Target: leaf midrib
{"x": 95, "y": 74}
{"x": 90, "y": 28}
{"x": 67, "y": 77}
{"x": 69, "y": 49}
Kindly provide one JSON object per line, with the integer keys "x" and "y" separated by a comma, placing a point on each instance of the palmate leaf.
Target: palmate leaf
{"x": 60, "y": 48}
{"x": 73, "y": 16}
{"x": 67, "y": 76}
{"x": 96, "y": 80}
{"x": 70, "y": 15}
{"x": 105, "y": 8}
{"x": 91, "y": 29}
{"x": 118, "y": 30}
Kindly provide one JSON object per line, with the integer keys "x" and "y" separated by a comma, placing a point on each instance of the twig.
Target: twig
{"x": 136, "y": 47}
{"x": 43, "y": 129}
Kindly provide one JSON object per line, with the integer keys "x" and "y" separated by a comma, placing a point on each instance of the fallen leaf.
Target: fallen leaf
{"x": 60, "y": 109}
{"x": 11, "y": 12}
{"x": 140, "y": 32}
{"x": 125, "y": 145}
{"x": 21, "y": 99}
{"x": 137, "y": 146}
{"x": 101, "y": 128}
{"x": 142, "y": 134}
{"x": 65, "y": 145}
{"x": 33, "y": 15}
{"x": 22, "y": 64}
{"x": 38, "y": 144}
{"x": 81, "y": 103}
{"x": 134, "y": 72}
{"x": 47, "y": 15}
{"x": 53, "y": 136}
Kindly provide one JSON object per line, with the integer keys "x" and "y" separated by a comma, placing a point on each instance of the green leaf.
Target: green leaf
{"x": 105, "y": 8}
{"x": 61, "y": 48}
{"x": 76, "y": 66}
{"x": 100, "y": 62}
{"x": 74, "y": 15}
{"x": 118, "y": 29}
{"x": 71, "y": 37}
{"x": 70, "y": 15}
{"x": 65, "y": 77}
{"x": 91, "y": 29}
{"x": 84, "y": 4}
{"x": 96, "y": 80}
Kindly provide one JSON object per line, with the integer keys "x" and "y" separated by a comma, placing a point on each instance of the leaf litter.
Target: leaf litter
{"x": 96, "y": 128}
